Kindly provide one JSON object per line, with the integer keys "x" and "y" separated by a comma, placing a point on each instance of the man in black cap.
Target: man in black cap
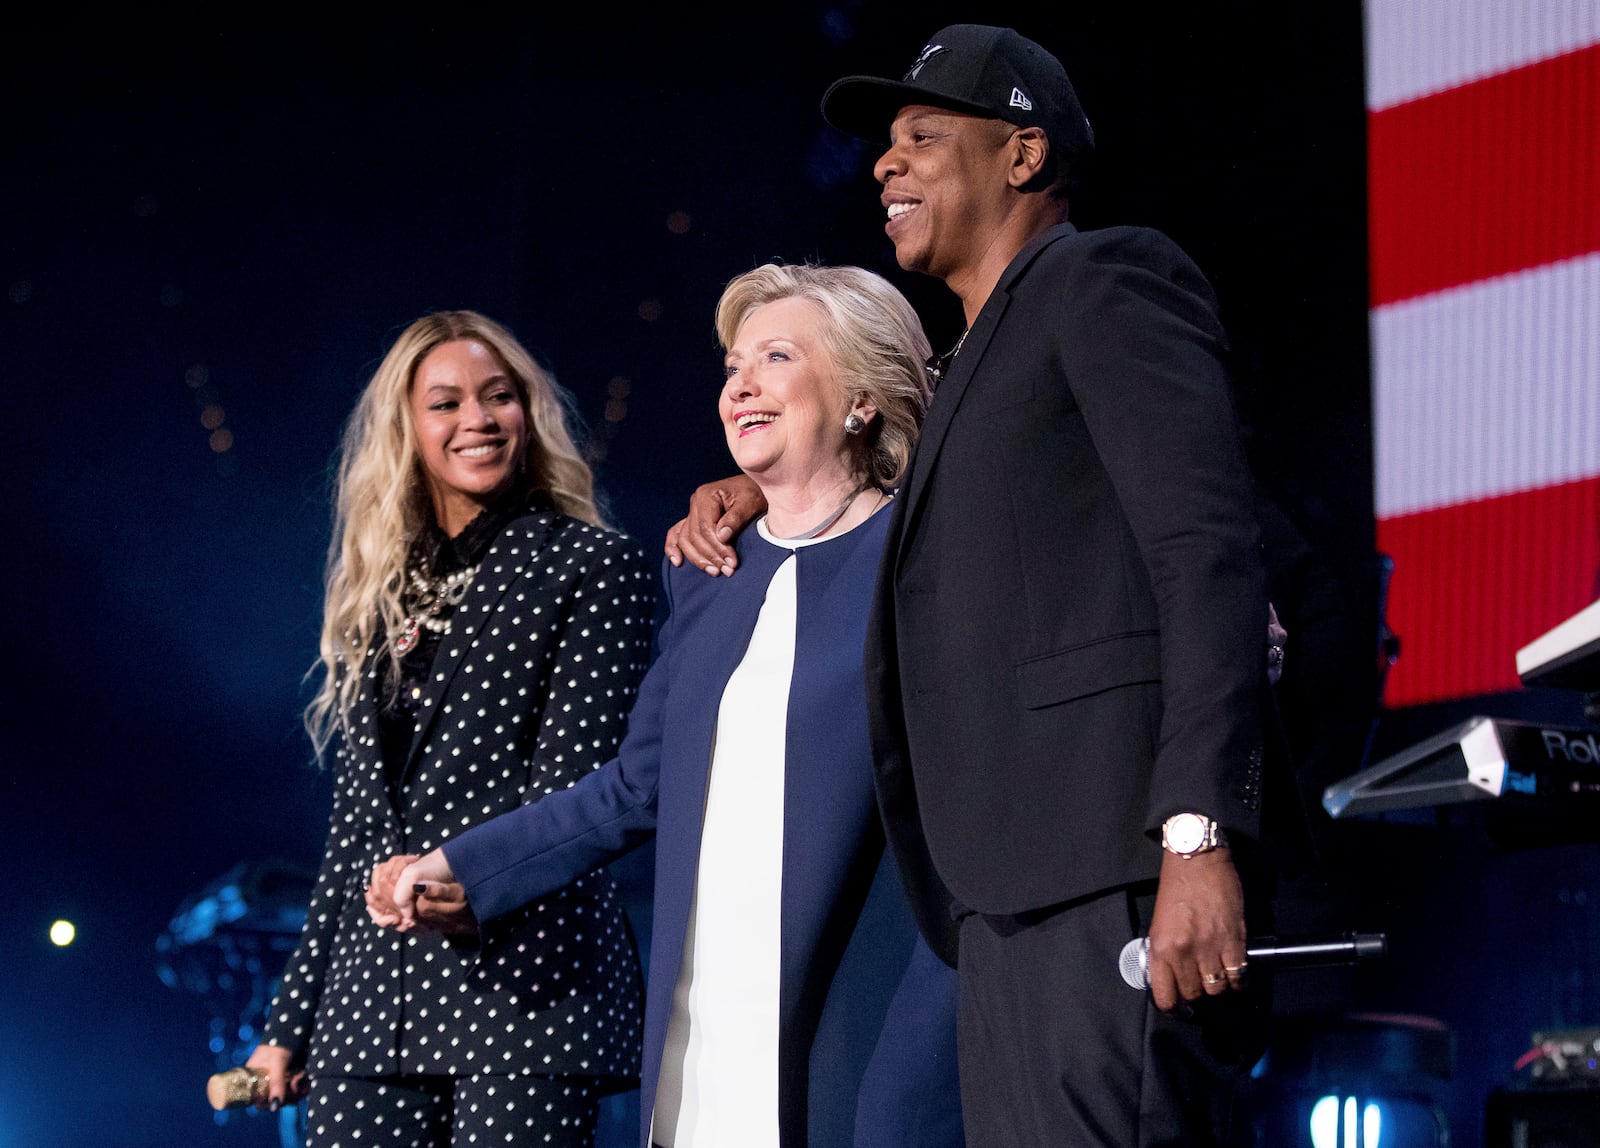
{"x": 1065, "y": 661}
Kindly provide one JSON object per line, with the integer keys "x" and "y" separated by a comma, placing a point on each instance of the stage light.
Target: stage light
{"x": 62, "y": 934}
{"x": 1326, "y": 1124}
{"x": 227, "y": 943}
{"x": 1354, "y": 1081}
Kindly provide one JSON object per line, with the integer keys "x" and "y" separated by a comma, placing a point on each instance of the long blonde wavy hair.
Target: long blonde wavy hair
{"x": 381, "y": 500}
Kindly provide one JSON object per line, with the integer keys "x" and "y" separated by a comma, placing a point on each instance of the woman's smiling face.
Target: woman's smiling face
{"x": 782, "y": 408}
{"x": 471, "y": 429}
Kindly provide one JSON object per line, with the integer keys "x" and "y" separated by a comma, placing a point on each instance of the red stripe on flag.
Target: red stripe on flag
{"x": 1474, "y": 583}
{"x": 1485, "y": 179}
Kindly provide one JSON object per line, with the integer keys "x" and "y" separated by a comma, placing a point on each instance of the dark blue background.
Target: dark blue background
{"x": 241, "y": 208}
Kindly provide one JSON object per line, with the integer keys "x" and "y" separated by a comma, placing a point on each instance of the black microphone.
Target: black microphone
{"x": 1347, "y": 950}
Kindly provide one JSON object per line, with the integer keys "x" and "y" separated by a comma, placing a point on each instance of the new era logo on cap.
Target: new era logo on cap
{"x": 977, "y": 70}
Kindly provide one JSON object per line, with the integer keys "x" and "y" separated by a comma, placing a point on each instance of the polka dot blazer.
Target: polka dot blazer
{"x": 528, "y": 691}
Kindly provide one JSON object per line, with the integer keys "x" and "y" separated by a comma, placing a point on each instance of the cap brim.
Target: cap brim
{"x": 865, "y": 106}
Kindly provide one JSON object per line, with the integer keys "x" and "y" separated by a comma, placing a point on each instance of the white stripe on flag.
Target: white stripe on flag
{"x": 1417, "y": 47}
{"x": 1487, "y": 389}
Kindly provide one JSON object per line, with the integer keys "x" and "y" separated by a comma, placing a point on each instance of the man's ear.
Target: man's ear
{"x": 1029, "y": 149}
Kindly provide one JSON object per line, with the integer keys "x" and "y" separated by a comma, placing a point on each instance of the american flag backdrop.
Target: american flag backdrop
{"x": 1483, "y": 126}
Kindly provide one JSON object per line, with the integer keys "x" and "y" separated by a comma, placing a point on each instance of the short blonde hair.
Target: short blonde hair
{"x": 871, "y": 333}
{"x": 381, "y": 501}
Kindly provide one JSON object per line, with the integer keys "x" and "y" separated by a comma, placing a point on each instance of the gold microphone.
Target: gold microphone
{"x": 237, "y": 1088}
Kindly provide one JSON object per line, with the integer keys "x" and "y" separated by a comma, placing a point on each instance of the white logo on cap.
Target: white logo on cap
{"x": 1018, "y": 100}
{"x": 928, "y": 53}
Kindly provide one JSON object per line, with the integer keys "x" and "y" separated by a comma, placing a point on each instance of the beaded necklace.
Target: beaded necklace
{"x": 430, "y": 604}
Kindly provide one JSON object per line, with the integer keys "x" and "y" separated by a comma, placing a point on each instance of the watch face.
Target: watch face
{"x": 1186, "y": 832}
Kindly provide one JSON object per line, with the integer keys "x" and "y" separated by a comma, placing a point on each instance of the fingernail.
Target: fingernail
{"x": 419, "y": 887}
{"x": 274, "y": 1104}
{"x": 711, "y": 569}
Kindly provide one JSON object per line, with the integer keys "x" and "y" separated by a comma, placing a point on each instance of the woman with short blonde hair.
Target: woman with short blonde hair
{"x": 874, "y": 337}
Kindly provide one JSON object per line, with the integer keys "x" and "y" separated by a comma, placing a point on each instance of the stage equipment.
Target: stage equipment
{"x": 1485, "y": 758}
{"x": 1554, "y": 1099}
{"x": 1567, "y": 656}
{"x": 227, "y": 944}
{"x": 1364, "y": 1080}
{"x": 1562, "y": 1118}
{"x": 1562, "y": 1057}
{"x": 1481, "y": 759}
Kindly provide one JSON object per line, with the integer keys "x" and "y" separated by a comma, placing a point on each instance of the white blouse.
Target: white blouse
{"x": 719, "y": 1072}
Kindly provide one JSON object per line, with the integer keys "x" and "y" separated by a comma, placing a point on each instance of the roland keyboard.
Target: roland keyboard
{"x": 1482, "y": 759}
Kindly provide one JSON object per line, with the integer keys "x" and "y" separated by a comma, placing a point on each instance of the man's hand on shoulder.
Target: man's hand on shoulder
{"x": 717, "y": 512}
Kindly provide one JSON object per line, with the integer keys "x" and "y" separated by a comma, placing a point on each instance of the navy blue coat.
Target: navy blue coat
{"x": 840, "y": 965}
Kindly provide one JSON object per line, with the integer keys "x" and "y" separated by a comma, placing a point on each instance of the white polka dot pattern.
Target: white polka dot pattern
{"x": 438, "y": 1111}
{"x": 528, "y": 691}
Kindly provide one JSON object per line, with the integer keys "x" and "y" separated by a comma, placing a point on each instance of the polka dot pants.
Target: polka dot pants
{"x": 451, "y": 1111}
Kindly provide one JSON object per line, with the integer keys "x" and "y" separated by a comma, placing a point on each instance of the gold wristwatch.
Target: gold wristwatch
{"x": 1188, "y": 833}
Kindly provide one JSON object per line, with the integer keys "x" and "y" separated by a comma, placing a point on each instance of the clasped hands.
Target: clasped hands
{"x": 411, "y": 893}
{"x": 1197, "y": 934}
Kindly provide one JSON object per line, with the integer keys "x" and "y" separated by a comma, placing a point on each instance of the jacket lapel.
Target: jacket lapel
{"x": 506, "y": 561}
{"x": 961, "y": 371}
{"x": 940, "y": 413}
{"x": 364, "y": 754}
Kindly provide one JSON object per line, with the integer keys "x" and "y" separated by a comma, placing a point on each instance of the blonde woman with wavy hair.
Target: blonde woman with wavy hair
{"x": 383, "y": 503}
{"x": 484, "y": 634}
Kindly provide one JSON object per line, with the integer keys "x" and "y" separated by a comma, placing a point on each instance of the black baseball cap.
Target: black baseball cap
{"x": 974, "y": 68}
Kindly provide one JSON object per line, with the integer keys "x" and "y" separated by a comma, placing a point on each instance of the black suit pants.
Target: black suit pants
{"x": 1057, "y": 1051}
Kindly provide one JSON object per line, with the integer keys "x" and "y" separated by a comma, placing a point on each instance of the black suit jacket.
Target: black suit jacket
{"x": 1067, "y": 638}
{"x": 529, "y": 691}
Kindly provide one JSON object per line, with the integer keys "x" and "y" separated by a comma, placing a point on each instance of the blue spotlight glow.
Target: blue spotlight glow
{"x": 1326, "y": 1123}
